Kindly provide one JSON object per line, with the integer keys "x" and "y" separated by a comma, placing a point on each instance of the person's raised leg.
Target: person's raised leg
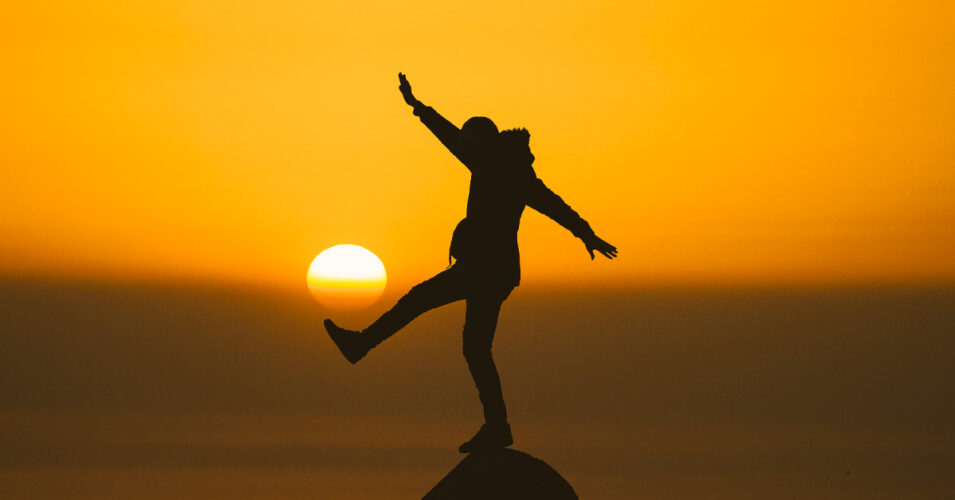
{"x": 443, "y": 288}
{"x": 479, "y": 326}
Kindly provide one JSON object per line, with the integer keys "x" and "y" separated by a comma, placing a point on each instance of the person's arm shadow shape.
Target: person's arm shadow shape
{"x": 545, "y": 201}
{"x": 441, "y": 127}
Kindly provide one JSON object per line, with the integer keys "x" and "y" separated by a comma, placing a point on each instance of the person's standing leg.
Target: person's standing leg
{"x": 480, "y": 323}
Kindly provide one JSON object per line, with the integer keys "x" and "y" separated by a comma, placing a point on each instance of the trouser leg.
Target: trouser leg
{"x": 443, "y": 288}
{"x": 479, "y": 325}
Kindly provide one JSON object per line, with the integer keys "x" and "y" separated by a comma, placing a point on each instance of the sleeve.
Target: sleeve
{"x": 545, "y": 201}
{"x": 444, "y": 130}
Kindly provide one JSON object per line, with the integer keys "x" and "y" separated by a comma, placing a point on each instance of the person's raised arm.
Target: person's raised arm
{"x": 444, "y": 130}
{"x": 545, "y": 201}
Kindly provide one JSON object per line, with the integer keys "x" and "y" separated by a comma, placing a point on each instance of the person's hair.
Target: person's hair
{"x": 515, "y": 143}
{"x": 516, "y": 136}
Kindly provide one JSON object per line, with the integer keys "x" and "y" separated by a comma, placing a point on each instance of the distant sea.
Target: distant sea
{"x": 208, "y": 391}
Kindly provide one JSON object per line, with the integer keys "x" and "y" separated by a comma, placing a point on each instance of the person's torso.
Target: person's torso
{"x": 488, "y": 235}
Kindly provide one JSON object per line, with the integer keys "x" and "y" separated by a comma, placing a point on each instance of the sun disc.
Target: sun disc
{"x": 346, "y": 277}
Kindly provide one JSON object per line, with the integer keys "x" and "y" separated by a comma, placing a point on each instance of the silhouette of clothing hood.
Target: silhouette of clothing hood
{"x": 503, "y": 182}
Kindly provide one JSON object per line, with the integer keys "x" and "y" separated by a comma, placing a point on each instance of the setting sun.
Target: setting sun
{"x": 346, "y": 277}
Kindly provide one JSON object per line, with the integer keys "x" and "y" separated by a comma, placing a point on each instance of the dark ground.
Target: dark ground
{"x": 188, "y": 391}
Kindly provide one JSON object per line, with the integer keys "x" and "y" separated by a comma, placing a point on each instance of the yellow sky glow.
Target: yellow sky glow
{"x": 711, "y": 142}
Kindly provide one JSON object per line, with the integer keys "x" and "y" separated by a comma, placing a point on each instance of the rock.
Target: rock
{"x": 500, "y": 475}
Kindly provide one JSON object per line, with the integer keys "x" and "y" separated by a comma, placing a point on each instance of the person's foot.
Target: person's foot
{"x": 489, "y": 437}
{"x": 349, "y": 342}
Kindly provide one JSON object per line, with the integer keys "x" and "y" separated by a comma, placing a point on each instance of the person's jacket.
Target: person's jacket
{"x": 503, "y": 182}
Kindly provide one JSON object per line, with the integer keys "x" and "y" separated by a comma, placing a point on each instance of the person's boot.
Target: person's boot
{"x": 489, "y": 437}
{"x": 352, "y": 344}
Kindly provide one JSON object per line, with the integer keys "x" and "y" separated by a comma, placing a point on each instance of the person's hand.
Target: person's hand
{"x": 594, "y": 243}
{"x": 405, "y": 89}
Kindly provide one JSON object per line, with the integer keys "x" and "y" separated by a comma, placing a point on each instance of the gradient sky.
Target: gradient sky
{"x": 727, "y": 143}
{"x": 734, "y": 142}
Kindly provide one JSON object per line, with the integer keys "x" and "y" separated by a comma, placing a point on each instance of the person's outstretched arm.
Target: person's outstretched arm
{"x": 545, "y": 201}
{"x": 444, "y": 130}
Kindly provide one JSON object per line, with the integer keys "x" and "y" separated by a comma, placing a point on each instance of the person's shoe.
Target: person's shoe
{"x": 349, "y": 342}
{"x": 489, "y": 437}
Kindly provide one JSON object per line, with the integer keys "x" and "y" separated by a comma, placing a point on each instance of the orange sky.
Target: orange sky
{"x": 712, "y": 142}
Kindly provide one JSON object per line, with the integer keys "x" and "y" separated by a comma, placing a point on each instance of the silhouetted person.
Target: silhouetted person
{"x": 484, "y": 247}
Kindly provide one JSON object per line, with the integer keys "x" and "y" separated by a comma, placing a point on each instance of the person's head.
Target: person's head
{"x": 478, "y": 134}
